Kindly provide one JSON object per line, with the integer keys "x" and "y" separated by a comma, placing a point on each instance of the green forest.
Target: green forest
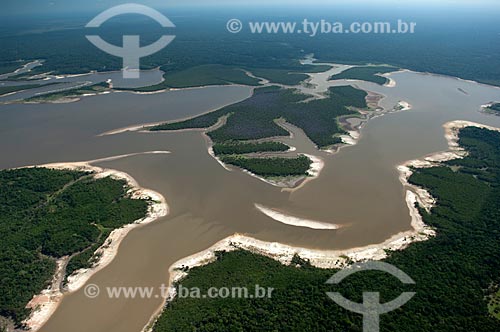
{"x": 255, "y": 118}
{"x": 369, "y": 74}
{"x": 73, "y": 92}
{"x": 457, "y": 273}
{"x": 47, "y": 214}
{"x": 468, "y": 53}
{"x": 239, "y": 147}
{"x": 464, "y": 45}
{"x": 495, "y": 108}
{"x": 271, "y": 167}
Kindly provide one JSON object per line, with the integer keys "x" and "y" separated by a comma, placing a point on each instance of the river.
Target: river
{"x": 358, "y": 187}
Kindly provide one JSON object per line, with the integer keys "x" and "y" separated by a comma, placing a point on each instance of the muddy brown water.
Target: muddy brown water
{"x": 358, "y": 186}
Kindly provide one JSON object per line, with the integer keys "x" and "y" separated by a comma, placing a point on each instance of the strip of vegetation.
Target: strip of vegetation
{"x": 213, "y": 74}
{"x": 271, "y": 167}
{"x": 52, "y": 96}
{"x": 287, "y": 77}
{"x": 254, "y": 118}
{"x": 48, "y": 214}
{"x": 494, "y": 304}
{"x": 243, "y": 148}
{"x": 203, "y": 75}
{"x": 369, "y": 74}
{"x": 7, "y": 67}
{"x": 9, "y": 89}
{"x": 495, "y": 108}
{"x": 453, "y": 271}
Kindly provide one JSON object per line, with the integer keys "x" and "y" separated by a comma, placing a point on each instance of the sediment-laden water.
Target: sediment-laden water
{"x": 358, "y": 187}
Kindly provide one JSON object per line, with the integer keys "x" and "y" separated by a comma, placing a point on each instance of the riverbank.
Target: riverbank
{"x": 46, "y": 303}
{"x": 452, "y": 130}
{"x": 337, "y": 258}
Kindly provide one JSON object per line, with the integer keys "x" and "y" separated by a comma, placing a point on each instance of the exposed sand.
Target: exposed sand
{"x": 391, "y": 83}
{"x": 403, "y": 106}
{"x": 294, "y": 221}
{"x": 45, "y": 303}
{"x": 284, "y": 253}
{"x": 336, "y": 258}
{"x": 452, "y": 130}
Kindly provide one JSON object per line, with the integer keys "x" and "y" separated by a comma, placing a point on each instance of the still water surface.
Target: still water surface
{"x": 358, "y": 186}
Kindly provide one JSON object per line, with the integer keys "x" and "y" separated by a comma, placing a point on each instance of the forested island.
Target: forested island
{"x": 494, "y": 108}
{"x": 48, "y": 214}
{"x": 70, "y": 93}
{"x": 456, "y": 272}
{"x": 255, "y": 119}
{"x": 271, "y": 167}
{"x": 239, "y": 147}
{"x": 369, "y": 74}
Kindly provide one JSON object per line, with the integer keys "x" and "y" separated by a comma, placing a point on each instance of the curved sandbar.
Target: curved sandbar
{"x": 336, "y": 258}
{"x": 294, "y": 221}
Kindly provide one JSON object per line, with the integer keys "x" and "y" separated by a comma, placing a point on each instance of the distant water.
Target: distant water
{"x": 56, "y": 83}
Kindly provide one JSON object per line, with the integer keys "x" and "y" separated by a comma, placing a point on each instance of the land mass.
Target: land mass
{"x": 456, "y": 272}
{"x": 69, "y": 94}
{"x": 55, "y": 220}
{"x": 494, "y": 108}
{"x": 236, "y": 128}
{"x": 368, "y": 73}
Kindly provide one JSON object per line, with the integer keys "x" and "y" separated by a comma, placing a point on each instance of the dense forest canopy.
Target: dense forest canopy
{"x": 456, "y": 273}
{"x": 369, "y": 74}
{"x": 47, "y": 214}
{"x": 464, "y": 44}
{"x": 254, "y": 118}
{"x": 495, "y": 108}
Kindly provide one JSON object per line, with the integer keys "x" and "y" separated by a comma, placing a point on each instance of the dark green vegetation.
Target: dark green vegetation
{"x": 89, "y": 89}
{"x": 280, "y": 76}
{"x": 494, "y": 303}
{"x": 370, "y": 74}
{"x": 271, "y": 167}
{"x": 463, "y": 45}
{"x": 243, "y": 148}
{"x": 287, "y": 77}
{"x": 453, "y": 271}
{"x": 255, "y": 117}
{"x": 222, "y": 75}
{"x": 8, "y": 67}
{"x": 48, "y": 214}
{"x": 495, "y": 108}
{"x": 201, "y": 76}
{"x": 9, "y": 89}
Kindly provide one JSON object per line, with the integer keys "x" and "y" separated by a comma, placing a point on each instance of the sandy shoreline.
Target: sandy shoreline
{"x": 283, "y": 253}
{"x": 336, "y": 258}
{"x": 391, "y": 83}
{"x": 454, "y": 151}
{"x": 46, "y": 303}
